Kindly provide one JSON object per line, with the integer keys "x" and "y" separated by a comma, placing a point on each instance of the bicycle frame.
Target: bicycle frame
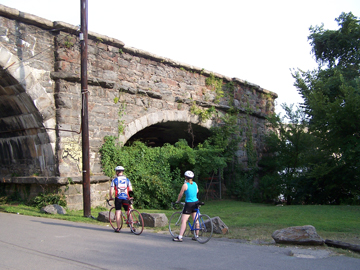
{"x": 193, "y": 226}
{"x": 125, "y": 218}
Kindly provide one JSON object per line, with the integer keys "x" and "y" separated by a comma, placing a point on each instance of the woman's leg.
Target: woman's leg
{"x": 184, "y": 219}
{"x": 193, "y": 215}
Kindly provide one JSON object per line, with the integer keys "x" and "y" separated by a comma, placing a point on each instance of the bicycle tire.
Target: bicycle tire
{"x": 175, "y": 224}
{"x": 137, "y": 224}
{"x": 205, "y": 230}
{"x": 112, "y": 219}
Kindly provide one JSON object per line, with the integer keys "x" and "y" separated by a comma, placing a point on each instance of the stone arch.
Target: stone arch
{"x": 27, "y": 124}
{"x": 161, "y": 117}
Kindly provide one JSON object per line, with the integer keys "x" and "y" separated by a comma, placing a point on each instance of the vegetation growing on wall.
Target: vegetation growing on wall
{"x": 47, "y": 198}
{"x": 68, "y": 42}
{"x": 121, "y": 121}
{"x": 204, "y": 114}
{"x": 216, "y": 85}
{"x": 230, "y": 92}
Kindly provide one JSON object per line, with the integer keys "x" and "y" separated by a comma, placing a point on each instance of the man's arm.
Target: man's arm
{"x": 130, "y": 189}
{"x": 111, "y": 192}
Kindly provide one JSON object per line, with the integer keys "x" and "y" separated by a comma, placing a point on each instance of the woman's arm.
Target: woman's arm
{"x": 183, "y": 188}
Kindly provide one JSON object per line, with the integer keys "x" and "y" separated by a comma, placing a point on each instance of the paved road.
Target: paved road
{"x": 39, "y": 243}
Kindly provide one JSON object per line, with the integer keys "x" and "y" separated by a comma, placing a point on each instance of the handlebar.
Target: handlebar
{"x": 109, "y": 202}
{"x": 173, "y": 204}
{"x": 131, "y": 200}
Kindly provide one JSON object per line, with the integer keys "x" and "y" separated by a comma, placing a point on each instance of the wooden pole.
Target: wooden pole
{"x": 84, "y": 109}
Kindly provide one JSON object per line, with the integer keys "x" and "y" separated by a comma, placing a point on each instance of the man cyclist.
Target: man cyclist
{"x": 122, "y": 187}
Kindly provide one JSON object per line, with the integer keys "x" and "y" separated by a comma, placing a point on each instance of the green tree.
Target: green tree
{"x": 332, "y": 102}
{"x": 290, "y": 147}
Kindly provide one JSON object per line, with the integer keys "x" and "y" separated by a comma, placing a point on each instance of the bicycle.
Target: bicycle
{"x": 205, "y": 228}
{"x": 134, "y": 219}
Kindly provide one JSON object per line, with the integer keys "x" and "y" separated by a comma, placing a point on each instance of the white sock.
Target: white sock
{"x": 180, "y": 236}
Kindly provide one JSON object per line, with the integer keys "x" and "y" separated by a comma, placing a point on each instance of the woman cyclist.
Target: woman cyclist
{"x": 191, "y": 190}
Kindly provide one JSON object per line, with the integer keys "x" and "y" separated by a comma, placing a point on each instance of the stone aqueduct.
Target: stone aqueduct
{"x": 40, "y": 103}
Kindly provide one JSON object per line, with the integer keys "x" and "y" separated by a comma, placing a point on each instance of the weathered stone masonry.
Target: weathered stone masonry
{"x": 40, "y": 102}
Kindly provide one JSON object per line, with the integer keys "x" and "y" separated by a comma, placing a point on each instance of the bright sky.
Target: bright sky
{"x": 258, "y": 41}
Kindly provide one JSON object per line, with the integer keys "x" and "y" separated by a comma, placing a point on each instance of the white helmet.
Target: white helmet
{"x": 189, "y": 174}
{"x": 119, "y": 168}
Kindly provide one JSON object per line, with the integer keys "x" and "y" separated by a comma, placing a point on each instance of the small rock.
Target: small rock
{"x": 219, "y": 226}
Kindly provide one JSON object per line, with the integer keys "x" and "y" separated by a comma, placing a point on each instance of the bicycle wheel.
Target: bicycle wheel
{"x": 137, "y": 224}
{"x": 112, "y": 219}
{"x": 175, "y": 224}
{"x": 205, "y": 230}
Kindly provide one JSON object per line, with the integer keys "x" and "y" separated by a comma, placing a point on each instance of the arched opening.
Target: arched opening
{"x": 171, "y": 132}
{"x": 25, "y": 148}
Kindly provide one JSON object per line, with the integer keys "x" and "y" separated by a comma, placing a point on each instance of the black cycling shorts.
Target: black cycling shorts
{"x": 120, "y": 202}
{"x": 190, "y": 207}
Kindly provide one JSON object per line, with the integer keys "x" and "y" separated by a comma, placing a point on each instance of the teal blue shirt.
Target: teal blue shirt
{"x": 191, "y": 192}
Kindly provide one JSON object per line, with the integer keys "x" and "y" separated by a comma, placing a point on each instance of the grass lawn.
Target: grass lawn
{"x": 249, "y": 221}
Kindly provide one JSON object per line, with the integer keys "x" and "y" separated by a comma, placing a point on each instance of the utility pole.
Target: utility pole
{"x": 84, "y": 108}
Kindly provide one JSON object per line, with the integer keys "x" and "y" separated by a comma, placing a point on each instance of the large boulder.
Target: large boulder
{"x": 219, "y": 226}
{"x": 298, "y": 235}
{"x": 53, "y": 209}
{"x": 155, "y": 220}
{"x": 104, "y": 216}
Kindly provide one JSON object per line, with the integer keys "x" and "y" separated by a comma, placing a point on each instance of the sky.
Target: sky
{"x": 259, "y": 41}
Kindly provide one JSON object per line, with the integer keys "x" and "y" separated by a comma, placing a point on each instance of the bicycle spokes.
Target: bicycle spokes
{"x": 112, "y": 220}
{"x": 136, "y": 222}
{"x": 175, "y": 224}
{"x": 205, "y": 230}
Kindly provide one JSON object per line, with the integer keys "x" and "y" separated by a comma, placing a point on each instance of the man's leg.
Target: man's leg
{"x": 118, "y": 217}
{"x": 126, "y": 208}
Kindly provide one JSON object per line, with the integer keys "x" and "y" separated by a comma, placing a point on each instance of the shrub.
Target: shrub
{"x": 46, "y": 198}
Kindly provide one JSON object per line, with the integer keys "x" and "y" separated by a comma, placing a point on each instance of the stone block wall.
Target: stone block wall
{"x": 74, "y": 194}
{"x": 138, "y": 89}
{"x": 129, "y": 90}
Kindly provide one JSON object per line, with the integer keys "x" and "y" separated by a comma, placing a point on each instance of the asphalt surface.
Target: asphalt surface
{"x": 38, "y": 243}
